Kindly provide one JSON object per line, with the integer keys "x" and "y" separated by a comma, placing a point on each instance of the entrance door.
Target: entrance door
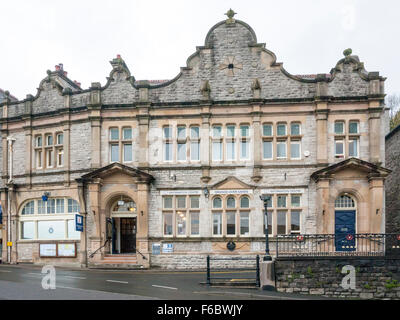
{"x": 128, "y": 235}
{"x": 345, "y": 222}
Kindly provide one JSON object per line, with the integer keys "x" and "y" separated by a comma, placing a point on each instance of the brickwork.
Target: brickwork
{"x": 376, "y": 278}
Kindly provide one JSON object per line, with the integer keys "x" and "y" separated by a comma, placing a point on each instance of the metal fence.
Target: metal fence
{"x": 313, "y": 245}
{"x": 254, "y": 273}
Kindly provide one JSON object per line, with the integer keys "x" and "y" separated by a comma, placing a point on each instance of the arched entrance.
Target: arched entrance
{"x": 345, "y": 223}
{"x": 123, "y": 215}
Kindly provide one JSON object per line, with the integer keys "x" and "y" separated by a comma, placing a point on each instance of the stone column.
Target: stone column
{"x": 257, "y": 143}
{"x": 143, "y": 120}
{"x": 28, "y": 138}
{"x": 13, "y": 214}
{"x": 205, "y": 151}
{"x": 322, "y": 111}
{"x": 3, "y": 198}
{"x": 94, "y": 107}
{"x": 376, "y": 223}
{"x": 374, "y": 121}
{"x": 325, "y": 215}
{"x": 142, "y": 235}
{"x": 96, "y": 239}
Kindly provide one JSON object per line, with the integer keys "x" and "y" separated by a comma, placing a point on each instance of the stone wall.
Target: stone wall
{"x": 376, "y": 277}
{"x": 392, "y": 184}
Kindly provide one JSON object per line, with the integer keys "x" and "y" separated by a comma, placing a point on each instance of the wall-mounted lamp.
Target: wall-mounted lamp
{"x": 323, "y": 212}
{"x": 377, "y": 211}
{"x": 141, "y": 212}
{"x": 94, "y": 212}
{"x": 173, "y": 177}
{"x": 206, "y": 192}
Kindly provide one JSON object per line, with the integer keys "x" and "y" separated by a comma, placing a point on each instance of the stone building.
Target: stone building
{"x": 166, "y": 172}
{"x": 392, "y": 185}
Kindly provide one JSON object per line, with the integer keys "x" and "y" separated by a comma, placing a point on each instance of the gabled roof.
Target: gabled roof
{"x": 232, "y": 181}
{"x": 372, "y": 169}
{"x": 117, "y": 167}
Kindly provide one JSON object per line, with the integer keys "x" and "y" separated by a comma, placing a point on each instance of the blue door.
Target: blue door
{"x": 345, "y": 230}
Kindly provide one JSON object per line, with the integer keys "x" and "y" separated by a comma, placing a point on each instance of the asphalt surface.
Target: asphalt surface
{"x": 24, "y": 282}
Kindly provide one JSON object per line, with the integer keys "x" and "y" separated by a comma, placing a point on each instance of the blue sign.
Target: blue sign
{"x": 79, "y": 222}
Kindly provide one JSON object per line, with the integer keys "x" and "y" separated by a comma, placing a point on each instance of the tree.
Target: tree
{"x": 393, "y": 102}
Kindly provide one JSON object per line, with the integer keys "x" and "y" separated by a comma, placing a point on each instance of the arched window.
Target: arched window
{"x": 344, "y": 201}
{"x": 124, "y": 205}
{"x": 29, "y": 208}
{"x": 244, "y": 202}
{"x": 217, "y": 203}
{"x": 231, "y": 203}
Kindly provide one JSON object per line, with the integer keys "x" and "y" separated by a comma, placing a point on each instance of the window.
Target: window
{"x": 281, "y": 129}
{"x": 217, "y": 130}
{"x": 244, "y": 223}
{"x": 339, "y": 127}
{"x": 339, "y": 148}
{"x": 177, "y": 210}
{"x": 38, "y": 158}
{"x": 194, "y": 223}
{"x": 230, "y": 202}
{"x": 114, "y": 134}
{"x": 231, "y": 223}
{"x": 49, "y": 140}
{"x": 167, "y": 202}
{"x": 281, "y": 150}
{"x": 353, "y": 148}
{"x": 217, "y": 202}
{"x": 114, "y": 152}
{"x": 244, "y": 202}
{"x": 49, "y": 158}
{"x": 295, "y": 221}
{"x": 53, "y": 219}
{"x": 295, "y": 148}
{"x": 245, "y": 142}
{"x": 60, "y": 138}
{"x": 217, "y": 223}
{"x": 281, "y": 222}
{"x": 217, "y": 143}
{"x": 295, "y": 129}
{"x": 181, "y": 143}
{"x": 353, "y": 127}
{"x": 168, "y": 224}
{"x": 60, "y": 157}
{"x": 285, "y": 218}
{"x": 38, "y": 141}
{"x": 194, "y": 143}
{"x": 127, "y": 133}
{"x": 267, "y": 130}
{"x": 344, "y": 201}
{"x": 281, "y": 201}
{"x": 127, "y": 152}
{"x": 267, "y": 150}
{"x": 181, "y": 151}
{"x": 296, "y": 201}
{"x": 230, "y": 150}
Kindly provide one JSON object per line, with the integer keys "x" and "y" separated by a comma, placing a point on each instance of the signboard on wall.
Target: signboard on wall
{"x": 48, "y": 250}
{"x": 168, "y": 248}
{"x": 66, "y": 250}
{"x": 282, "y": 191}
{"x": 156, "y": 248}
{"x": 79, "y": 222}
{"x": 180, "y": 192}
{"x": 236, "y": 191}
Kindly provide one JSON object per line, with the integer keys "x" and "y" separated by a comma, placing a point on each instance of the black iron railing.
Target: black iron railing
{"x": 252, "y": 275}
{"x": 366, "y": 244}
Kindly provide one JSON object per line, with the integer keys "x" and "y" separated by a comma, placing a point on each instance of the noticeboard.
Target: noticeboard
{"x": 48, "y": 249}
{"x": 66, "y": 250}
{"x": 156, "y": 248}
{"x": 168, "y": 248}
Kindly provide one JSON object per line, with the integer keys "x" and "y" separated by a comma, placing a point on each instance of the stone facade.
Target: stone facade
{"x": 375, "y": 278}
{"x": 392, "y": 184}
{"x": 72, "y": 143}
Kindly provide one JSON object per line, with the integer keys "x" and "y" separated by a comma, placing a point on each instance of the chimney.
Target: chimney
{"x": 61, "y": 66}
{"x": 77, "y": 83}
{"x": 57, "y": 68}
{"x": 118, "y": 56}
{"x": 65, "y": 73}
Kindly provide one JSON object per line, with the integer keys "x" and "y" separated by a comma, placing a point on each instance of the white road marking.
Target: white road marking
{"x": 117, "y": 281}
{"x": 5, "y": 271}
{"x": 164, "y": 287}
{"x": 73, "y": 277}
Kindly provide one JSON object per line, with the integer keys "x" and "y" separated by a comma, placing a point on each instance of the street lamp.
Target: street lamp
{"x": 265, "y": 200}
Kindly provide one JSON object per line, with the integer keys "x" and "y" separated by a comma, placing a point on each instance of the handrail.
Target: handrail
{"x": 92, "y": 254}
{"x": 141, "y": 254}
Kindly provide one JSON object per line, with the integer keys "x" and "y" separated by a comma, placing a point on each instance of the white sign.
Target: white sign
{"x": 168, "y": 247}
{"x": 48, "y": 250}
{"x": 282, "y": 191}
{"x": 180, "y": 192}
{"x": 237, "y": 191}
{"x": 66, "y": 249}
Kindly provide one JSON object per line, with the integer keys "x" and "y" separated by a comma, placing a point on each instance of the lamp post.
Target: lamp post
{"x": 267, "y": 255}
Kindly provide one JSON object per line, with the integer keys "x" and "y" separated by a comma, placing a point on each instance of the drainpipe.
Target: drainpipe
{"x": 10, "y": 166}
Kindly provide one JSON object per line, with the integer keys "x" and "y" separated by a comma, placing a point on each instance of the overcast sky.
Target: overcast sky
{"x": 156, "y": 37}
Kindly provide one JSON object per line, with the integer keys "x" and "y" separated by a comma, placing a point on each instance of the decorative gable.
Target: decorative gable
{"x": 231, "y": 183}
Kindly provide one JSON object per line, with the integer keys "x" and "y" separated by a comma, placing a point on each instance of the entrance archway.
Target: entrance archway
{"x": 345, "y": 223}
{"x": 123, "y": 215}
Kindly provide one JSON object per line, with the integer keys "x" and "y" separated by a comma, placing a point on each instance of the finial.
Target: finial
{"x": 347, "y": 52}
{"x": 230, "y": 14}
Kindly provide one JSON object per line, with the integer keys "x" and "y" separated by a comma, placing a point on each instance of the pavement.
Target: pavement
{"x": 24, "y": 282}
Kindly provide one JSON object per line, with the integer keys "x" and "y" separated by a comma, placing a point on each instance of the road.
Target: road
{"x": 24, "y": 282}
